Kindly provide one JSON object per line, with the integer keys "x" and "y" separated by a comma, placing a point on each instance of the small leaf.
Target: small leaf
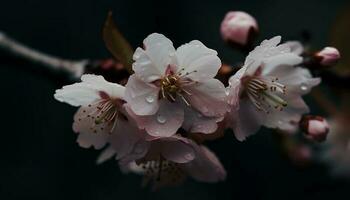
{"x": 116, "y": 43}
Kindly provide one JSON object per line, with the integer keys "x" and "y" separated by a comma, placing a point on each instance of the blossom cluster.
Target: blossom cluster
{"x": 149, "y": 124}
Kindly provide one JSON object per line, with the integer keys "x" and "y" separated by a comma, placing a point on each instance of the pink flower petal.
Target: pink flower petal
{"x": 289, "y": 117}
{"x": 197, "y": 123}
{"x": 124, "y": 138}
{"x": 208, "y": 97}
{"x": 163, "y": 123}
{"x": 295, "y": 47}
{"x": 150, "y": 64}
{"x": 141, "y": 97}
{"x": 246, "y": 121}
{"x": 205, "y": 167}
{"x": 177, "y": 149}
{"x": 90, "y": 134}
{"x": 87, "y": 91}
{"x": 199, "y": 61}
{"x": 105, "y": 155}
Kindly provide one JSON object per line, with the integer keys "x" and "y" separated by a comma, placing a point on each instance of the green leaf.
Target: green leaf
{"x": 116, "y": 43}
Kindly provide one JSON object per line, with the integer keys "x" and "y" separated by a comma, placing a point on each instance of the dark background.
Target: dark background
{"x": 39, "y": 158}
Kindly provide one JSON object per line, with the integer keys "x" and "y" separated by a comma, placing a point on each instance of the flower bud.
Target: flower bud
{"x": 315, "y": 128}
{"x": 328, "y": 56}
{"x": 300, "y": 154}
{"x": 239, "y": 28}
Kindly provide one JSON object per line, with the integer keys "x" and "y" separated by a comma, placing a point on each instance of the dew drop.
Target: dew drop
{"x": 227, "y": 92}
{"x": 161, "y": 119}
{"x": 303, "y": 87}
{"x": 150, "y": 99}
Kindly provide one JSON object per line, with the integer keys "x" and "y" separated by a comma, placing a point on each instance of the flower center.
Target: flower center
{"x": 172, "y": 85}
{"x": 107, "y": 112}
{"x": 104, "y": 112}
{"x": 265, "y": 93}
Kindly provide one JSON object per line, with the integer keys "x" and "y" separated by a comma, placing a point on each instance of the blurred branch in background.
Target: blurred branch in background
{"x": 74, "y": 68}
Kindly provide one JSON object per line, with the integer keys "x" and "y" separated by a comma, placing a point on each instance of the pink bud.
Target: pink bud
{"x": 300, "y": 154}
{"x": 329, "y": 56}
{"x": 238, "y": 27}
{"x": 316, "y": 128}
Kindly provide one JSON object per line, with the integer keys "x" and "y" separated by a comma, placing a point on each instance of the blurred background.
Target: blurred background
{"x": 39, "y": 157}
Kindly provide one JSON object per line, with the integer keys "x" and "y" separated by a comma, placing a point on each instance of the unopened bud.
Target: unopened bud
{"x": 328, "y": 56}
{"x": 316, "y": 128}
{"x": 239, "y": 28}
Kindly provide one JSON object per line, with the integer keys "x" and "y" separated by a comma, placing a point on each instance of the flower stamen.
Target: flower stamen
{"x": 264, "y": 93}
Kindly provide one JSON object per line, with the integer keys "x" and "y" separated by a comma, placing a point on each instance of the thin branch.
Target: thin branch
{"x": 74, "y": 68}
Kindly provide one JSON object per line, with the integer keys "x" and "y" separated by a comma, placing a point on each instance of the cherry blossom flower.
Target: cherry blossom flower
{"x": 101, "y": 109}
{"x": 267, "y": 90}
{"x": 167, "y": 80}
{"x": 170, "y": 160}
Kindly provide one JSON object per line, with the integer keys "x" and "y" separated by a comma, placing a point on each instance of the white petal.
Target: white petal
{"x": 206, "y": 167}
{"x": 208, "y": 97}
{"x": 139, "y": 151}
{"x": 281, "y": 60}
{"x": 87, "y": 91}
{"x": 165, "y": 122}
{"x": 177, "y": 149}
{"x": 289, "y": 117}
{"x": 199, "y": 61}
{"x": 142, "y": 97}
{"x": 105, "y": 155}
{"x": 246, "y": 121}
{"x": 267, "y": 49}
{"x": 150, "y": 64}
{"x": 197, "y": 123}
{"x": 234, "y": 88}
{"x": 124, "y": 138}
{"x": 90, "y": 134}
{"x": 297, "y": 80}
{"x": 295, "y": 47}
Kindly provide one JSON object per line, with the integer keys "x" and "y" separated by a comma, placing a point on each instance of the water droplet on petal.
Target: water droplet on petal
{"x": 150, "y": 99}
{"x": 189, "y": 156}
{"x": 161, "y": 119}
{"x": 227, "y": 92}
{"x": 304, "y": 87}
